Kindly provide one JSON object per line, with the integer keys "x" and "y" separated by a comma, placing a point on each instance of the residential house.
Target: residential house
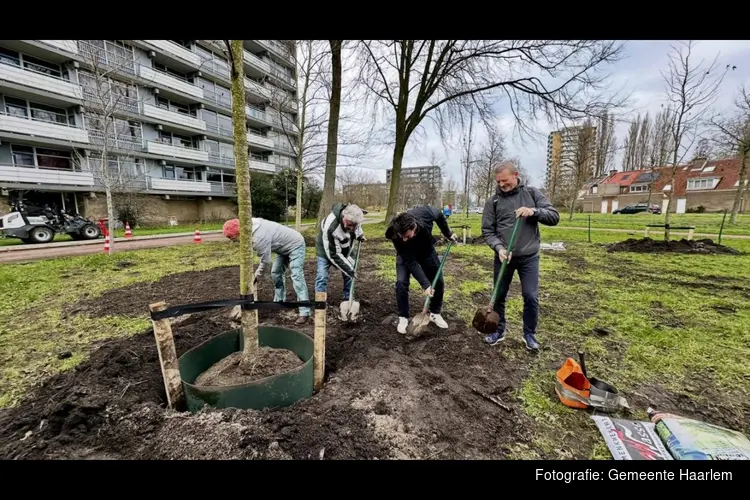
{"x": 711, "y": 184}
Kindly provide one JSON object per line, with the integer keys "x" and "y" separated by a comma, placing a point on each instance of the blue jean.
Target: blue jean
{"x": 321, "y": 280}
{"x": 528, "y": 273}
{"x": 295, "y": 261}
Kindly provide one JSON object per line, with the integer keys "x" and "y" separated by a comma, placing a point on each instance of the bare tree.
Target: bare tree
{"x": 414, "y": 78}
{"x": 642, "y": 143}
{"x": 329, "y": 184}
{"x": 581, "y": 162}
{"x": 732, "y": 133}
{"x": 307, "y": 143}
{"x": 468, "y": 161}
{"x": 493, "y": 152}
{"x": 606, "y": 144}
{"x": 690, "y": 88}
{"x": 109, "y": 92}
{"x": 660, "y": 148}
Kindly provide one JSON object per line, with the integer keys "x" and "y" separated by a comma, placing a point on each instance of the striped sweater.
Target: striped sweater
{"x": 335, "y": 243}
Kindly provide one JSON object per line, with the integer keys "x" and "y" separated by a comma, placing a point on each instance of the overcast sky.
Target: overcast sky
{"x": 638, "y": 71}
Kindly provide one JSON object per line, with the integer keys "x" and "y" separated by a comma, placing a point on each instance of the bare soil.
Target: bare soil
{"x": 230, "y": 371}
{"x": 648, "y": 245}
{"x": 445, "y": 395}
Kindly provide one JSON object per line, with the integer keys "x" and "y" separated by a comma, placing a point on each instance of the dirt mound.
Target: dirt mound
{"x": 228, "y": 371}
{"x": 648, "y": 245}
{"x": 385, "y": 396}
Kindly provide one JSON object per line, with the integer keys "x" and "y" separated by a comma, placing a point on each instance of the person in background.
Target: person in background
{"x": 513, "y": 200}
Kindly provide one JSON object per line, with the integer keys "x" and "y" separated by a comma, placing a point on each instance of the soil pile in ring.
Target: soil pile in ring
{"x": 648, "y": 245}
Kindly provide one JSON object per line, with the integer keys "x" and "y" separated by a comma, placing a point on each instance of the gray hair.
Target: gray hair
{"x": 506, "y": 165}
{"x": 354, "y": 214}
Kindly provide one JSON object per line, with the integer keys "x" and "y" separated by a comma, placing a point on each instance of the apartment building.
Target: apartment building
{"x": 161, "y": 110}
{"x": 562, "y": 151}
{"x": 419, "y": 185}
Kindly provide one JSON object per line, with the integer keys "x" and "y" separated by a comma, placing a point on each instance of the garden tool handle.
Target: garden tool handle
{"x": 356, "y": 264}
{"x": 509, "y": 251}
{"x": 437, "y": 275}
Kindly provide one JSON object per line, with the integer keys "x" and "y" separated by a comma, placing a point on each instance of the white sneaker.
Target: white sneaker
{"x": 438, "y": 320}
{"x": 402, "y": 324}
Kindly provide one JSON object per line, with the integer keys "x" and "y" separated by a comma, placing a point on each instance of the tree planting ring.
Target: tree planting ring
{"x": 282, "y": 389}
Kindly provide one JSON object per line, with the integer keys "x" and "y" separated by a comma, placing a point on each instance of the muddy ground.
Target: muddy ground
{"x": 385, "y": 396}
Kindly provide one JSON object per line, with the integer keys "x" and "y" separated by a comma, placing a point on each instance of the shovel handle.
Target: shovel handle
{"x": 437, "y": 275}
{"x": 511, "y": 243}
{"x": 356, "y": 265}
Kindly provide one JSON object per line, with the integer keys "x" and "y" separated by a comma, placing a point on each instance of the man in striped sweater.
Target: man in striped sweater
{"x": 335, "y": 242}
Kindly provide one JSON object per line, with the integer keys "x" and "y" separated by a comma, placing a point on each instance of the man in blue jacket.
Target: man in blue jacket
{"x": 511, "y": 201}
{"x": 411, "y": 233}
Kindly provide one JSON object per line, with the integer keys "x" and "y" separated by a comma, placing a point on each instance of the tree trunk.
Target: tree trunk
{"x": 668, "y": 215}
{"x": 572, "y": 208}
{"x": 333, "y": 131}
{"x": 244, "y": 204}
{"x": 111, "y": 217}
{"x": 298, "y": 208}
{"x": 740, "y": 190}
{"x": 398, "y": 158}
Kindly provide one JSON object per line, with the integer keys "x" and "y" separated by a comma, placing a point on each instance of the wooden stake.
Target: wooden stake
{"x": 691, "y": 233}
{"x": 167, "y": 357}
{"x": 319, "y": 349}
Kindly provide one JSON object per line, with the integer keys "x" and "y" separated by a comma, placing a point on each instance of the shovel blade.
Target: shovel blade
{"x": 353, "y": 312}
{"x": 418, "y": 324}
{"x": 484, "y": 321}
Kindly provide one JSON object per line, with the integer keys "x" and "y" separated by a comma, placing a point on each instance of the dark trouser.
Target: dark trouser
{"x": 528, "y": 273}
{"x": 430, "y": 267}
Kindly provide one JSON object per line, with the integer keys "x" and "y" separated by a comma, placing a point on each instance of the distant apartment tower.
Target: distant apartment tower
{"x": 561, "y": 147}
{"x": 419, "y": 185}
{"x": 161, "y": 109}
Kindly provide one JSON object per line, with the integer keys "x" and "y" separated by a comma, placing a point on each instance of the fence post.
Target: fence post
{"x": 589, "y": 229}
{"x": 645, "y": 233}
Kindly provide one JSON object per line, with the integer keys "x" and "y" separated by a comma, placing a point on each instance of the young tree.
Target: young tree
{"x": 494, "y": 151}
{"x": 606, "y": 144}
{"x": 445, "y": 78}
{"x": 309, "y": 145}
{"x": 329, "y": 183}
{"x": 660, "y": 148}
{"x": 691, "y": 88}
{"x": 244, "y": 203}
{"x": 109, "y": 95}
{"x": 580, "y": 161}
{"x": 731, "y": 132}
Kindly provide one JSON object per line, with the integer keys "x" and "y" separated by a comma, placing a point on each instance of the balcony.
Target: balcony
{"x": 52, "y": 130}
{"x": 35, "y": 175}
{"x": 223, "y": 100}
{"x": 278, "y": 48}
{"x": 265, "y": 166}
{"x": 160, "y": 184}
{"x": 171, "y": 82}
{"x": 257, "y": 89}
{"x": 168, "y": 150}
{"x": 161, "y": 114}
{"x": 257, "y": 114}
{"x": 257, "y": 140}
{"x": 220, "y": 130}
{"x": 282, "y": 143}
{"x": 228, "y": 188}
{"x": 256, "y": 62}
{"x": 215, "y": 68}
{"x": 174, "y": 50}
{"x": 66, "y": 45}
{"x": 23, "y": 76}
{"x": 215, "y": 157}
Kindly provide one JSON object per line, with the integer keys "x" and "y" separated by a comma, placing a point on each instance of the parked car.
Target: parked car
{"x": 638, "y": 208}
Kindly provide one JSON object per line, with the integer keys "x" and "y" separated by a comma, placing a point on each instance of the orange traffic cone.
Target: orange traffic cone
{"x": 106, "y": 244}
{"x": 197, "y": 236}
{"x": 128, "y": 232}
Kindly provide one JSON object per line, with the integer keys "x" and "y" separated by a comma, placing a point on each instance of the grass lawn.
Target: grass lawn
{"x": 680, "y": 324}
{"x": 703, "y": 223}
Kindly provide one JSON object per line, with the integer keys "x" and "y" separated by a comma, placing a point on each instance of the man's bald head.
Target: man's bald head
{"x": 506, "y": 176}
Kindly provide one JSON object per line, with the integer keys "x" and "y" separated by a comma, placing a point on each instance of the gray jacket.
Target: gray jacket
{"x": 499, "y": 217}
{"x": 269, "y": 236}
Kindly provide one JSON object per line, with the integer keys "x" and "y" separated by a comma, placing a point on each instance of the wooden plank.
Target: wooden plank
{"x": 319, "y": 349}
{"x": 167, "y": 357}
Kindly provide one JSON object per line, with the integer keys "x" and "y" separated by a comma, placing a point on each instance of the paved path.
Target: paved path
{"x": 713, "y": 236}
{"x": 29, "y": 252}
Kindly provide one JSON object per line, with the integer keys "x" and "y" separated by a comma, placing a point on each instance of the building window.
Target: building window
{"x": 13, "y": 58}
{"x": 594, "y": 189}
{"x": 38, "y": 112}
{"x": 175, "y": 107}
{"x": 698, "y": 184}
{"x": 181, "y": 141}
{"x": 52, "y": 159}
{"x": 171, "y": 72}
{"x": 640, "y": 188}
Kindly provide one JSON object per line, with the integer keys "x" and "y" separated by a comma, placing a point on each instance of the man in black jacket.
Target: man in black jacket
{"x": 411, "y": 233}
{"x": 511, "y": 201}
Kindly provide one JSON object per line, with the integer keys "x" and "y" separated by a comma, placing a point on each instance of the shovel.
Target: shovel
{"x": 422, "y": 320}
{"x": 350, "y": 308}
{"x": 486, "y": 320}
